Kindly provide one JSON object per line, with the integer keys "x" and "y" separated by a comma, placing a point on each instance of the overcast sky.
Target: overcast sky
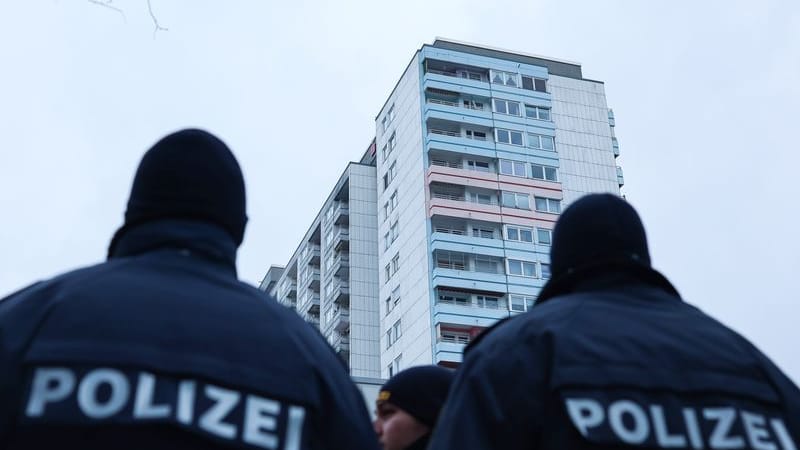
{"x": 705, "y": 95}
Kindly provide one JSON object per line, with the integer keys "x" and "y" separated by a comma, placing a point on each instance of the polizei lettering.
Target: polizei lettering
{"x": 66, "y": 395}
{"x": 677, "y": 426}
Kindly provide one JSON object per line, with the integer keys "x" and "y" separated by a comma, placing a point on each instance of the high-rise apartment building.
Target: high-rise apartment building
{"x": 477, "y": 151}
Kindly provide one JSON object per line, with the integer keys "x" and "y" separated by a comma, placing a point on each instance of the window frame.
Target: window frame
{"x": 506, "y": 104}
{"x": 549, "y": 201}
{"x": 519, "y": 229}
{"x": 517, "y": 196}
{"x": 544, "y": 169}
{"x": 497, "y": 132}
{"x": 514, "y": 166}
{"x": 522, "y": 264}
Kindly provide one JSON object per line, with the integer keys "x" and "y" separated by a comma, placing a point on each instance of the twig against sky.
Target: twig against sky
{"x": 107, "y": 4}
{"x": 155, "y": 20}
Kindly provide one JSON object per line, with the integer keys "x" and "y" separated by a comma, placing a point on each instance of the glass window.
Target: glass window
{"x": 541, "y": 172}
{"x": 537, "y": 171}
{"x": 516, "y": 200}
{"x": 485, "y": 264}
{"x": 545, "y": 270}
{"x": 540, "y": 85}
{"x": 526, "y": 235}
{"x": 479, "y": 166}
{"x": 487, "y": 302}
{"x": 483, "y": 232}
{"x": 550, "y": 174}
{"x": 527, "y": 83}
{"x": 483, "y": 199}
{"x": 517, "y": 303}
{"x": 537, "y": 112}
{"x": 512, "y": 234}
{"x": 544, "y": 236}
{"x": 514, "y": 168}
{"x": 521, "y": 268}
{"x": 477, "y": 135}
{"x": 509, "y": 136}
{"x": 550, "y": 205}
{"x": 547, "y": 143}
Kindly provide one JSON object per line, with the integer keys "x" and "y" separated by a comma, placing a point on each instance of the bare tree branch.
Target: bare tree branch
{"x": 155, "y": 20}
{"x": 107, "y": 4}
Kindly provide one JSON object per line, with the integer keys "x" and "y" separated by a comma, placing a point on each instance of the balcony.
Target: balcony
{"x": 341, "y": 215}
{"x": 311, "y": 255}
{"x": 341, "y": 265}
{"x": 311, "y": 279}
{"x": 340, "y": 320}
{"x": 341, "y": 239}
{"x": 615, "y": 146}
{"x": 340, "y": 344}
{"x": 341, "y": 292}
{"x": 620, "y": 178}
{"x": 313, "y": 320}
{"x": 309, "y": 303}
{"x": 288, "y": 289}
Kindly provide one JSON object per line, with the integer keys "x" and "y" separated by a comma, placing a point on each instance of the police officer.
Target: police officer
{"x": 611, "y": 357}
{"x": 161, "y": 347}
{"x": 408, "y": 406}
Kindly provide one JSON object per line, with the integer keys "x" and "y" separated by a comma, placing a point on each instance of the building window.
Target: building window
{"x": 486, "y": 233}
{"x": 393, "y": 201}
{"x": 450, "y": 260}
{"x": 516, "y": 200}
{"x": 456, "y": 337}
{"x": 541, "y": 141}
{"x": 395, "y": 296}
{"x": 391, "y": 370}
{"x": 387, "y": 242}
{"x": 504, "y": 78}
{"x": 478, "y": 166}
{"x": 470, "y": 75}
{"x": 541, "y": 172}
{"x": 545, "y": 270}
{"x": 506, "y": 107}
{"x": 389, "y": 175}
{"x": 513, "y": 168}
{"x": 477, "y": 135}
{"x": 454, "y": 298}
{"x": 388, "y": 306}
{"x": 395, "y": 263}
{"x": 519, "y": 234}
{"x": 398, "y": 330}
{"x": 484, "y": 301}
{"x": 392, "y": 142}
{"x": 397, "y": 363}
{"x": 393, "y": 231}
{"x": 483, "y": 199}
{"x": 521, "y": 268}
{"x": 388, "y": 118}
{"x": 485, "y": 264}
{"x": 537, "y": 112}
{"x": 387, "y": 271}
{"x": 549, "y": 205}
{"x": 472, "y": 104}
{"x": 544, "y": 236}
{"x": 508, "y": 136}
{"x": 534, "y": 84}
{"x": 520, "y": 302}
{"x": 388, "y": 338}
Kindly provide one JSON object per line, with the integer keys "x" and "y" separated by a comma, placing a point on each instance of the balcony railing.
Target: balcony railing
{"x": 444, "y": 196}
{"x": 341, "y": 239}
{"x": 444, "y": 163}
{"x": 450, "y": 265}
{"x": 445, "y": 132}
{"x": 443, "y": 102}
{"x": 455, "y": 339}
{"x": 456, "y": 231}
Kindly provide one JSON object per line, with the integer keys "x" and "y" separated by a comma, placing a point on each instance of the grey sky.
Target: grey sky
{"x": 705, "y": 96}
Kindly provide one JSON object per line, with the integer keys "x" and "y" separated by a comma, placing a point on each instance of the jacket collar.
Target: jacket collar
{"x": 605, "y": 275}
{"x": 201, "y": 238}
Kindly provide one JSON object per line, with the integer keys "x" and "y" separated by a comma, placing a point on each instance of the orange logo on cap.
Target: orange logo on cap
{"x": 384, "y": 395}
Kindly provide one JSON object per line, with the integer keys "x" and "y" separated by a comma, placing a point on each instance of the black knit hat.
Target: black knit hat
{"x": 190, "y": 174}
{"x": 420, "y": 391}
{"x": 598, "y": 228}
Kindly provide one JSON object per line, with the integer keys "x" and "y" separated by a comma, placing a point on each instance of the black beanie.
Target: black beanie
{"x": 189, "y": 174}
{"x": 595, "y": 229}
{"x": 420, "y": 391}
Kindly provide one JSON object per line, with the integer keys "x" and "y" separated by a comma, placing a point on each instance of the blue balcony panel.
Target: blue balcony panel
{"x": 460, "y": 115}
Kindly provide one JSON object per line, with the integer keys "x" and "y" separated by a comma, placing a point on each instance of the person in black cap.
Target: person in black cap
{"x": 161, "y": 347}
{"x": 408, "y": 406}
{"x": 610, "y": 356}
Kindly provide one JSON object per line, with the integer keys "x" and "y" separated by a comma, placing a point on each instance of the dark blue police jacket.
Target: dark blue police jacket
{"x": 162, "y": 347}
{"x": 618, "y": 361}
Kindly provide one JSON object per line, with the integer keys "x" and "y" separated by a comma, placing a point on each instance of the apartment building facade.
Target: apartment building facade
{"x": 476, "y": 153}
